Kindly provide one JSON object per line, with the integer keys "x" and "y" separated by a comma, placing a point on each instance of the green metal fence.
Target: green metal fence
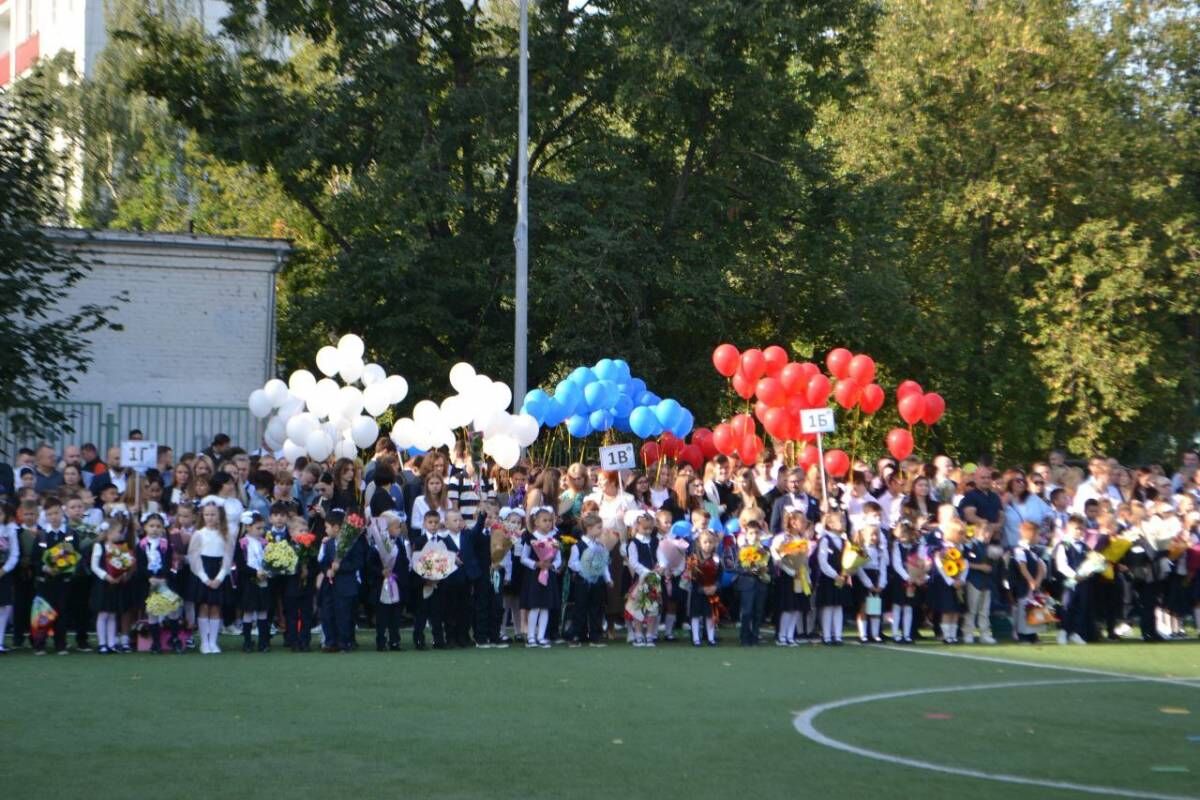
{"x": 190, "y": 428}
{"x": 84, "y": 424}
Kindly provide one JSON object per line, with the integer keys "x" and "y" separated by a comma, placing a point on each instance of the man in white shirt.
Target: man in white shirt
{"x": 1098, "y": 488}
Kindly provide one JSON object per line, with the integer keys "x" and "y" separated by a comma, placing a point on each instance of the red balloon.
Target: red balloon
{"x": 809, "y": 369}
{"x": 760, "y": 408}
{"x": 794, "y": 378}
{"x": 743, "y": 386}
{"x": 776, "y": 358}
{"x": 775, "y": 421}
{"x": 899, "y": 443}
{"x": 750, "y": 449}
{"x": 906, "y": 388}
{"x": 817, "y": 392}
{"x": 726, "y": 359}
{"x": 650, "y": 453}
{"x": 935, "y": 406}
{"x": 742, "y": 424}
{"x": 797, "y": 403}
{"x": 912, "y": 408}
{"x": 838, "y": 362}
{"x": 692, "y": 455}
{"x": 753, "y": 364}
{"x": 809, "y": 456}
{"x": 724, "y": 440}
{"x": 793, "y": 427}
{"x": 862, "y": 368}
{"x": 703, "y": 438}
{"x": 670, "y": 444}
{"x": 847, "y": 393}
{"x": 771, "y": 392}
{"x": 837, "y": 463}
{"x": 871, "y": 399}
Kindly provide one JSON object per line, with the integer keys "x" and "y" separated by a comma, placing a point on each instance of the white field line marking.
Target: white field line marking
{"x": 1191, "y": 683}
{"x": 803, "y": 723}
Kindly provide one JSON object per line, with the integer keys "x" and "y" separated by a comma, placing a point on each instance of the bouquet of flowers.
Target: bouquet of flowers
{"x": 753, "y": 559}
{"x": 853, "y": 557}
{"x": 795, "y": 556}
{"x": 163, "y": 602}
{"x": 279, "y": 558}
{"x": 1113, "y": 551}
{"x": 118, "y": 561}
{"x": 41, "y": 618}
{"x": 918, "y": 571}
{"x": 644, "y": 598}
{"x": 1094, "y": 563}
{"x": 673, "y": 551}
{"x": 544, "y": 550}
{"x": 565, "y": 543}
{"x": 433, "y": 563}
{"x": 1039, "y": 610}
{"x": 953, "y": 563}
{"x": 61, "y": 559}
{"x": 305, "y": 545}
{"x": 705, "y": 574}
{"x": 352, "y": 528}
{"x": 593, "y": 562}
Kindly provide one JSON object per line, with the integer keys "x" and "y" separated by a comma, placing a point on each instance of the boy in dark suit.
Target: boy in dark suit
{"x": 343, "y": 572}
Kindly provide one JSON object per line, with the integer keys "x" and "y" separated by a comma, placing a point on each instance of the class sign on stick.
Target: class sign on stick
{"x": 617, "y": 457}
{"x": 139, "y": 455}
{"x": 819, "y": 421}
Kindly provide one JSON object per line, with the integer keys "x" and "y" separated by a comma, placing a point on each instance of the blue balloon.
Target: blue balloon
{"x": 669, "y": 412}
{"x": 556, "y": 412}
{"x": 605, "y": 369}
{"x": 569, "y": 394}
{"x": 642, "y": 421}
{"x": 635, "y": 388}
{"x": 656, "y": 426}
{"x": 611, "y": 392}
{"x": 623, "y": 374}
{"x": 682, "y": 529}
{"x": 594, "y": 396}
{"x": 536, "y": 403}
{"x": 582, "y": 376}
{"x": 578, "y": 426}
{"x": 601, "y": 419}
{"x": 622, "y": 424}
{"x": 649, "y": 399}
{"x": 623, "y": 407}
{"x": 684, "y": 426}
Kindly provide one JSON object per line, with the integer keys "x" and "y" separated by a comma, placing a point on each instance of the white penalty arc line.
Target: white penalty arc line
{"x": 803, "y": 723}
{"x": 1190, "y": 683}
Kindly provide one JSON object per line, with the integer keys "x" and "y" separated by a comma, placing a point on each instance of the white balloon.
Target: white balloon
{"x": 404, "y": 433}
{"x": 461, "y": 376}
{"x": 486, "y": 417}
{"x": 345, "y": 449}
{"x": 350, "y": 368}
{"x": 300, "y": 426}
{"x": 259, "y": 403}
{"x": 500, "y": 394}
{"x": 291, "y": 407}
{"x": 500, "y": 423}
{"x": 277, "y": 430}
{"x": 525, "y": 429}
{"x": 272, "y": 441}
{"x": 364, "y": 431}
{"x": 277, "y": 391}
{"x": 375, "y": 399}
{"x": 351, "y": 345}
{"x": 423, "y": 439}
{"x": 427, "y": 414}
{"x": 397, "y": 388}
{"x": 456, "y": 412}
{"x": 505, "y": 450}
{"x": 325, "y": 397}
{"x": 327, "y": 360}
{"x": 319, "y": 445}
{"x": 443, "y": 436}
{"x": 330, "y": 429}
{"x": 373, "y": 374}
{"x": 350, "y": 402}
{"x": 292, "y": 451}
{"x": 481, "y": 388}
{"x": 301, "y": 383}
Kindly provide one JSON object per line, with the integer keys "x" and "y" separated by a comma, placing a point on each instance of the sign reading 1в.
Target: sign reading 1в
{"x": 619, "y": 456}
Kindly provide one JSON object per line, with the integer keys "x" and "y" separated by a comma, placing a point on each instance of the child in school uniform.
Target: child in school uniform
{"x": 705, "y": 583}
{"x": 1027, "y": 572}
{"x": 154, "y": 559}
{"x": 979, "y": 583}
{"x": 450, "y": 603}
{"x": 833, "y": 593}
{"x": 539, "y": 598}
{"x": 253, "y": 580}
{"x": 1069, "y": 555}
{"x": 53, "y": 586}
{"x": 24, "y": 581}
{"x": 679, "y": 536}
{"x": 278, "y": 530}
{"x": 944, "y": 588}
{"x": 870, "y": 582}
{"x": 641, "y": 557}
{"x": 10, "y": 555}
{"x": 431, "y": 523}
{"x": 752, "y": 583}
{"x": 79, "y": 593}
{"x": 112, "y": 592}
{"x": 902, "y": 586}
{"x": 210, "y": 558}
{"x": 792, "y": 601}
{"x": 391, "y": 548}
{"x": 514, "y": 519}
{"x": 590, "y": 591}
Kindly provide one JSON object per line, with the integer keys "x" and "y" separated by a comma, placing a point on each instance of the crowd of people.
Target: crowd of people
{"x": 466, "y": 554}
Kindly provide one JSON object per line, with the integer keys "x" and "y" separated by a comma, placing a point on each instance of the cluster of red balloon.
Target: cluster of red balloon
{"x": 671, "y": 446}
{"x": 914, "y": 405}
{"x": 855, "y": 380}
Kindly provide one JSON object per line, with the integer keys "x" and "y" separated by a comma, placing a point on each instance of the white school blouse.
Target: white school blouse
{"x": 207, "y": 542}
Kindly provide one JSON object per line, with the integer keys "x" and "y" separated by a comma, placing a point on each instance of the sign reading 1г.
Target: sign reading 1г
{"x": 139, "y": 454}
{"x": 619, "y": 456}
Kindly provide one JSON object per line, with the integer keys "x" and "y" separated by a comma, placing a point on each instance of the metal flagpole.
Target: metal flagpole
{"x": 521, "y": 236}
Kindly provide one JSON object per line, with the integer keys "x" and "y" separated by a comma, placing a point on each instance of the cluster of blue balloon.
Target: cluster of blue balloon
{"x": 606, "y": 396}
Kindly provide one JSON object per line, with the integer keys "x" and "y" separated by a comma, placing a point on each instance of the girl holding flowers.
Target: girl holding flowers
{"x": 254, "y": 576}
{"x": 154, "y": 559}
{"x": 790, "y": 550}
{"x": 542, "y": 558}
{"x": 870, "y": 582}
{"x": 641, "y": 556}
{"x": 1027, "y": 572}
{"x": 210, "y": 555}
{"x": 908, "y": 572}
{"x": 832, "y": 590}
{"x": 704, "y": 571}
{"x": 948, "y": 579}
{"x": 113, "y": 565}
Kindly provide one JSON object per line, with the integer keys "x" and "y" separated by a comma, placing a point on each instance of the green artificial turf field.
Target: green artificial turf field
{"x": 616, "y": 722}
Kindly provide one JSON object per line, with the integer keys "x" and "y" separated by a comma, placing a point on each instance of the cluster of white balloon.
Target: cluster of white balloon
{"x": 320, "y": 418}
{"x": 481, "y": 403}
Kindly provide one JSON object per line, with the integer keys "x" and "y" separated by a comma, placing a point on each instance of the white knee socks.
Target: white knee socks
{"x": 5, "y": 613}
{"x": 907, "y": 621}
{"x": 949, "y": 632}
{"x": 695, "y": 630}
{"x": 875, "y": 625}
{"x": 669, "y": 624}
{"x": 826, "y": 623}
{"x": 102, "y": 629}
{"x": 711, "y": 628}
{"x": 861, "y": 623}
